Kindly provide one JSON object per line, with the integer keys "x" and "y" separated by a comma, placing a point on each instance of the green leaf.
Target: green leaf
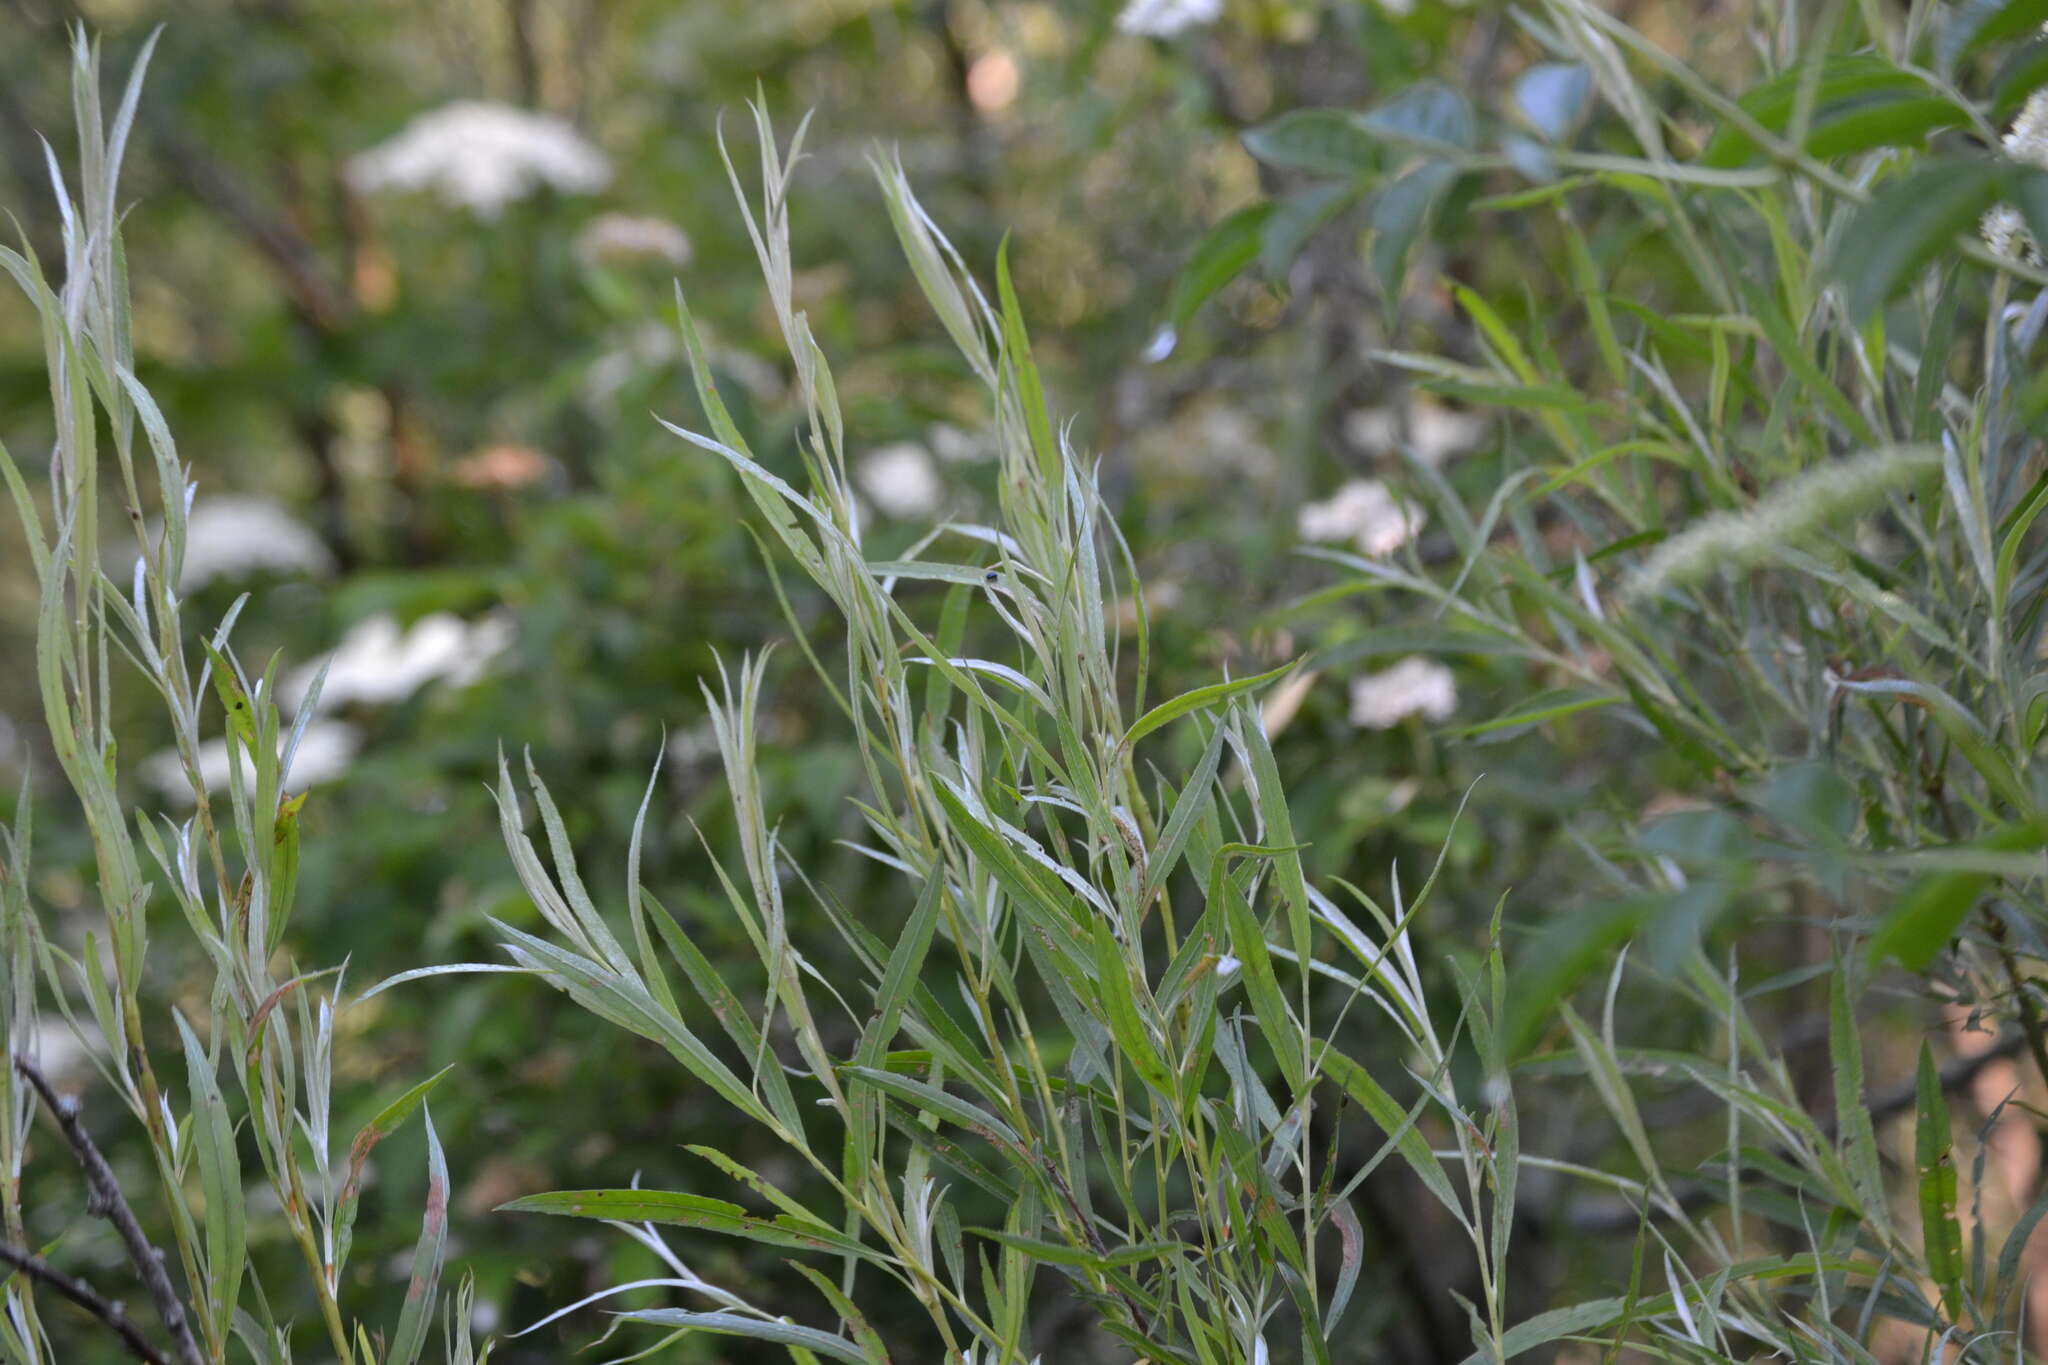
{"x": 2024, "y": 70}
{"x": 1060, "y": 1253}
{"x": 1428, "y": 113}
{"x": 1399, "y": 215}
{"x": 1931, "y": 912}
{"x": 1199, "y": 699}
{"x": 1120, "y": 1011}
{"x": 1296, "y": 217}
{"x": 1976, "y": 24}
{"x": 1544, "y": 706}
{"x": 759, "y": 1329}
{"x": 690, "y": 1211}
{"x": 1220, "y": 257}
{"x": 1321, "y": 141}
{"x": 420, "y": 1291}
{"x": 1908, "y": 223}
{"x": 970, "y": 574}
{"x": 220, "y": 1177}
{"x": 1568, "y": 947}
{"x": 1248, "y": 943}
{"x": 1397, "y": 1123}
{"x": 1940, "y": 1238}
{"x": 1859, "y": 102}
{"x": 930, "y": 1098}
{"x": 1857, "y": 1135}
{"x": 1552, "y": 97}
{"x": 375, "y": 1131}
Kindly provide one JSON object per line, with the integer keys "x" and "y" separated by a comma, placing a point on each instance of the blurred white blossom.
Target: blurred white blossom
{"x": 1435, "y": 432}
{"x": 1363, "y": 512}
{"x": 482, "y": 156}
{"x": 325, "y": 750}
{"x": 232, "y": 536}
{"x": 378, "y": 662}
{"x": 1167, "y": 18}
{"x": 1413, "y": 687}
{"x": 613, "y": 237}
{"x": 2027, "y": 143}
{"x": 901, "y": 479}
{"x": 956, "y": 445}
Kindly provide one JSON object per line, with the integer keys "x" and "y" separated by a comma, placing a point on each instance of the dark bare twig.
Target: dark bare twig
{"x": 106, "y": 1200}
{"x": 86, "y": 1297}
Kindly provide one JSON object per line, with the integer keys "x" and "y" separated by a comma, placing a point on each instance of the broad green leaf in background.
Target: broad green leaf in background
{"x": 1400, "y": 214}
{"x": 1859, "y": 102}
{"x": 1974, "y": 24}
{"x": 1428, "y": 114}
{"x": 1320, "y": 141}
{"x": 1916, "y": 218}
{"x": 1552, "y": 97}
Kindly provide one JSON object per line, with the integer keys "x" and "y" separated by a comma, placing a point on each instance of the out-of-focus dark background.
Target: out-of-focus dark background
{"x": 402, "y": 280}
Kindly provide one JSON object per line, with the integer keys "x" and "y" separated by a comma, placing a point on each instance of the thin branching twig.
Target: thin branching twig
{"x": 85, "y": 1296}
{"x": 105, "y": 1199}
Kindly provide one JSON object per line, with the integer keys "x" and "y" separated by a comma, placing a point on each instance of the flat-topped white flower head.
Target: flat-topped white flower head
{"x": 616, "y": 237}
{"x": 1364, "y": 512}
{"x": 482, "y": 156}
{"x": 1413, "y": 687}
{"x": 232, "y": 536}
{"x": 901, "y": 479}
{"x": 379, "y": 662}
{"x": 1167, "y": 18}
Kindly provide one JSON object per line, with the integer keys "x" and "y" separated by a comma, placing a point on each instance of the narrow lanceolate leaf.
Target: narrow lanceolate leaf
{"x": 1201, "y": 698}
{"x": 375, "y": 1131}
{"x": 420, "y": 1292}
{"x": 212, "y": 1134}
{"x": 1932, "y": 1158}
{"x": 1248, "y": 942}
{"x": 1397, "y": 1123}
{"x": 760, "y": 1329}
{"x": 1058, "y": 1253}
{"x": 690, "y": 1211}
{"x": 933, "y": 1100}
{"x": 1858, "y": 1137}
{"x": 1119, "y": 1002}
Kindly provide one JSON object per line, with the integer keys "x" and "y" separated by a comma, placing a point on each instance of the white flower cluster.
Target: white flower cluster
{"x": 621, "y": 237}
{"x": 482, "y": 156}
{"x": 1413, "y": 687}
{"x": 378, "y": 663}
{"x": 1167, "y": 18}
{"x": 1434, "y": 433}
{"x": 1364, "y": 512}
{"x": 232, "y": 536}
{"x": 901, "y": 479}
{"x": 2027, "y": 143}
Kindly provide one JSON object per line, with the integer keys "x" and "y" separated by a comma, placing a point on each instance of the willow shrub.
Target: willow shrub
{"x": 1104, "y": 1045}
{"x": 250, "y": 1046}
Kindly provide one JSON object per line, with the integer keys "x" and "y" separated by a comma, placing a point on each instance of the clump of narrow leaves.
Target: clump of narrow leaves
{"x": 253, "y": 1064}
